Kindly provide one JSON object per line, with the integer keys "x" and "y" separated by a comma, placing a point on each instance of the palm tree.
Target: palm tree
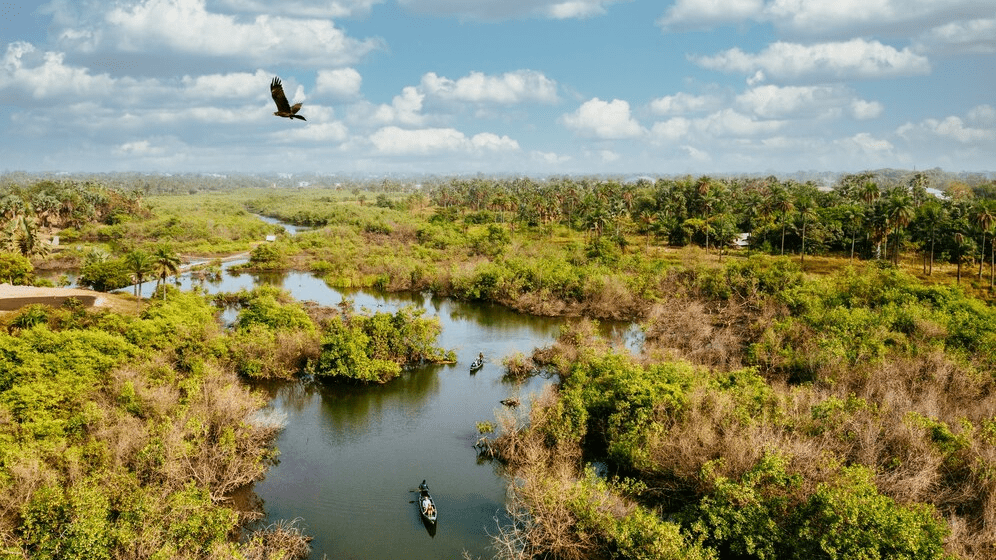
{"x": 24, "y": 236}
{"x": 984, "y": 216}
{"x": 960, "y": 245}
{"x": 869, "y": 192}
{"x": 140, "y": 264}
{"x": 807, "y": 211}
{"x": 899, "y": 210}
{"x": 709, "y": 203}
{"x": 166, "y": 263}
{"x": 649, "y": 217}
{"x": 933, "y": 214}
{"x": 780, "y": 200}
{"x": 751, "y": 208}
{"x": 918, "y": 185}
{"x": 853, "y": 218}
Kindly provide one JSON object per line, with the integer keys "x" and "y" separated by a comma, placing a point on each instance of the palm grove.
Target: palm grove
{"x": 858, "y": 218}
{"x": 861, "y": 217}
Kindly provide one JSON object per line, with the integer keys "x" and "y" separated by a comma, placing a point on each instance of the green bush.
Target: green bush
{"x": 766, "y": 514}
{"x": 271, "y": 308}
{"x": 267, "y": 256}
{"x": 105, "y": 276}
{"x": 373, "y": 348}
{"x": 343, "y": 353}
{"x": 15, "y": 269}
{"x": 493, "y": 242}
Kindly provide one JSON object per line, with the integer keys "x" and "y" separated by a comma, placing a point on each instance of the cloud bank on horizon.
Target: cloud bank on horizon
{"x": 499, "y": 86}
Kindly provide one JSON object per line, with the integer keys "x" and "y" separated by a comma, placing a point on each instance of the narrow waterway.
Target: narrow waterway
{"x": 350, "y": 455}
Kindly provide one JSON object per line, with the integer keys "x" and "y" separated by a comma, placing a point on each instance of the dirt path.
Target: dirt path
{"x": 15, "y": 297}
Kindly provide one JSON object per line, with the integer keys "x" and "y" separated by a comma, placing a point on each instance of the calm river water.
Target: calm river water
{"x": 350, "y": 455}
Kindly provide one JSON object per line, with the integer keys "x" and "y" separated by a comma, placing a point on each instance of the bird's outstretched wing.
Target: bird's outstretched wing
{"x": 277, "y": 91}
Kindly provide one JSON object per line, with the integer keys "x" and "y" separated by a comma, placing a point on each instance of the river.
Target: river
{"x": 351, "y": 455}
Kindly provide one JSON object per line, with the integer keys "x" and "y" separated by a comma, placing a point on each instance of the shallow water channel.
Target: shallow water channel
{"x": 351, "y": 455}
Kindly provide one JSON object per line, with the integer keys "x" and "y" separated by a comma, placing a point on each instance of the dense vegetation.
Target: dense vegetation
{"x": 771, "y": 416}
{"x": 125, "y": 436}
{"x": 825, "y": 390}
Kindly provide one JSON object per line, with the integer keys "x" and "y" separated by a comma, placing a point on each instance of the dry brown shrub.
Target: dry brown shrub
{"x": 518, "y": 366}
{"x": 320, "y": 314}
{"x": 281, "y": 540}
{"x": 295, "y": 349}
{"x": 544, "y": 304}
{"x": 278, "y": 354}
{"x": 614, "y": 300}
{"x": 27, "y": 474}
{"x": 232, "y": 451}
{"x": 686, "y": 329}
{"x": 542, "y": 523}
{"x": 707, "y": 430}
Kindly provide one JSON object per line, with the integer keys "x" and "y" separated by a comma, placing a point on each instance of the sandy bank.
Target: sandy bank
{"x": 15, "y": 297}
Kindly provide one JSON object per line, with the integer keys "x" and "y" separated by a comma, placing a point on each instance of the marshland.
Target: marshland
{"x": 709, "y": 367}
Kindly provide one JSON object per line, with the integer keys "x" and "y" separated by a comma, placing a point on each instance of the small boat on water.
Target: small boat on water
{"x": 478, "y": 363}
{"x": 425, "y": 504}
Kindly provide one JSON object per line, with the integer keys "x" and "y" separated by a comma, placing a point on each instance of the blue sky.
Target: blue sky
{"x": 543, "y": 87}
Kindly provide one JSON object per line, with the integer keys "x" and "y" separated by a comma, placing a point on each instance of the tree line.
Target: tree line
{"x": 860, "y": 216}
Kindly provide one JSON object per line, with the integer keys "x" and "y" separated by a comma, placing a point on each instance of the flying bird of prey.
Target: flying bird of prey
{"x": 284, "y": 108}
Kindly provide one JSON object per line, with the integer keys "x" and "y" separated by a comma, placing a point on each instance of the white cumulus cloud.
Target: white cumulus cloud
{"x": 233, "y": 85}
{"x": 682, "y": 103}
{"x": 976, "y": 36}
{"x": 305, "y": 8}
{"x": 497, "y": 10}
{"x": 334, "y": 131}
{"x": 864, "y": 110}
{"x": 509, "y": 88}
{"x": 671, "y": 130}
{"x": 188, "y": 27}
{"x": 393, "y": 140}
{"x": 949, "y": 128}
{"x": 822, "y": 18}
{"x": 26, "y": 72}
{"x": 604, "y": 119}
{"x": 826, "y": 102}
{"x": 404, "y": 109}
{"x": 856, "y": 58}
{"x": 695, "y": 13}
{"x": 341, "y": 82}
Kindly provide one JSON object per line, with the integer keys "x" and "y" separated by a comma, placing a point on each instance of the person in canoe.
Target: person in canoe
{"x": 425, "y": 503}
{"x": 478, "y": 363}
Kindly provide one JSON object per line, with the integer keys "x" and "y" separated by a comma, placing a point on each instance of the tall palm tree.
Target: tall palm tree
{"x": 751, "y": 206}
{"x": 918, "y": 185}
{"x": 780, "y": 201}
{"x": 165, "y": 263}
{"x": 899, "y": 209}
{"x": 649, "y": 218}
{"x": 709, "y": 203}
{"x": 853, "y": 218}
{"x": 933, "y": 214}
{"x": 960, "y": 245}
{"x": 983, "y": 215}
{"x": 807, "y": 211}
{"x": 140, "y": 264}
